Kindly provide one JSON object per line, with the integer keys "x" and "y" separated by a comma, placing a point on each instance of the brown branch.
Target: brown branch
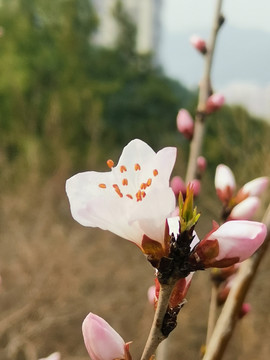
{"x": 155, "y": 336}
{"x": 229, "y": 314}
{"x": 204, "y": 92}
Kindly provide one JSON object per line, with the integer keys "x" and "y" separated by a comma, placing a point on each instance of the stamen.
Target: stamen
{"x": 139, "y": 195}
{"x": 143, "y": 186}
{"x": 117, "y": 190}
{"x": 125, "y": 182}
{"x": 155, "y": 172}
{"x": 149, "y": 182}
{"x": 129, "y": 196}
{"x": 143, "y": 194}
{"x": 102, "y": 186}
{"x": 110, "y": 163}
{"x": 123, "y": 168}
{"x": 137, "y": 167}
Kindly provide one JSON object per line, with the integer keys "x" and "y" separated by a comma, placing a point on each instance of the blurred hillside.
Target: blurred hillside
{"x": 67, "y": 106}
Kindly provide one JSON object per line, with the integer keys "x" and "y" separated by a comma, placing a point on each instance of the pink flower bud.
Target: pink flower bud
{"x": 214, "y": 103}
{"x": 151, "y": 295}
{"x": 178, "y": 185}
{"x": 246, "y": 308}
{"x": 185, "y": 124}
{"x": 201, "y": 164}
{"x": 224, "y": 183}
{"x": 232, "y": 242}
{"x": 196, "y": 186}
{"x": 246, "y": 209}
{"x": 198, "y": 43}
{"x": 255, "y": 187}
{"x": 101, "y": 340}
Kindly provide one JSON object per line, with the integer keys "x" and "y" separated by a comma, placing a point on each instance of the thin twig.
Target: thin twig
{"x": 204, "y": 92}
{"x": 230, "y": 312}
{"x": 155, "y": 336}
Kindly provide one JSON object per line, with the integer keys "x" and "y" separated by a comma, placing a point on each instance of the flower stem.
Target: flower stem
{"x": 230, "y": 312}
{"x": 204, "y": 92}
{"x": 156, "y": 336}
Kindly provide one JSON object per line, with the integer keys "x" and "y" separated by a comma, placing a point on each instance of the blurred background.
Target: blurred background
{"x": 79, "y": 80}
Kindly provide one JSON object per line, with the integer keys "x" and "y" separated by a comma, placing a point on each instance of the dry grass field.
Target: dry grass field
{"x": 55, "y": 271}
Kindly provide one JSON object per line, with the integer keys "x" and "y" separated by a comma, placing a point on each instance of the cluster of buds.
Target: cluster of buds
{"x": 223, "y": 279}
{"x": 242, "y": 204}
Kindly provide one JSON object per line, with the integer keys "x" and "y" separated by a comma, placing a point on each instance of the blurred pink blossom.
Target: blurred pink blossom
{"x": 196, "y": 186}
{"x": 201, "y": 164}
{"x": 185, "y": 123}
{"x": 245, "y": 309}
{"x": 214, "y": 103}
{"x": 178, "y": 185}
{"x": 198, "y": 43}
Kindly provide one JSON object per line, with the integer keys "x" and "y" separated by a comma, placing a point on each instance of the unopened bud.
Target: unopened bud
{"x": 214, "y": 103}
{"x": 224, "y": 183}
{"x": 246, "y": 209}
{"x": 255, "y": 187}
{"x": 201, "y": 164}
{"x": 245, "y": 309}
{"x": 185, "y": 124}
{"x": 232, "y": 242}
{"x": 196, "y": 186}
{"x": 101, "y": 340}
{"x": 198, "y": 43}
{"x": 178, "y": 185}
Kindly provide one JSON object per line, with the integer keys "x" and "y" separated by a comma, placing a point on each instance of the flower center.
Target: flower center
{"x": 124, "y": 189}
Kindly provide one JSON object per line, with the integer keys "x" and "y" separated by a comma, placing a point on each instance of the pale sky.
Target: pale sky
{"x": 188, "y": 15}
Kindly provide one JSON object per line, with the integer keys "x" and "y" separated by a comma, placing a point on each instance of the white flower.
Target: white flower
{"x": 133, "y": 199}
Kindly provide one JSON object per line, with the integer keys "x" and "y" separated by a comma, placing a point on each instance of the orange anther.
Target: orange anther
{"x": 125, "y": 181}
{"x": 155, "y": 172}
{"x": 117, "y": 190}
{"x": 137, "y": 167}
{"x": 143, "y": 194}
{"x": 149, "y": 182}
{"x": 110, "y": 163}
{"x": 139, "y": 195}
{"x": 102, "y": 186}
{"x": 129, "y": 196}
{"x": 143, "y": 186}
{"x": 123, "y": 168}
